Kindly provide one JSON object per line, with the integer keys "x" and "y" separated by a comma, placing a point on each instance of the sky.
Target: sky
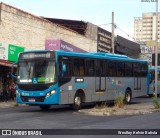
{"x": 98, "y": 12}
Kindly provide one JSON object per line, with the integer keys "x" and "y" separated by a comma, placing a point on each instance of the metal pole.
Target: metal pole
{"x": 156, "y": 55}
{"x": 0, "y": 11}
{"x": 112, "y": 32}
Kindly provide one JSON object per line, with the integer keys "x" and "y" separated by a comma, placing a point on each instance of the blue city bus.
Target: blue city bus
{"x": 151, "y": 82}
{"x": 46, "y": 78}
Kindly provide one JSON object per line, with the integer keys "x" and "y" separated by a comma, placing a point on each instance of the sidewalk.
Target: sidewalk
{"x": 8, "y": 104}
{"x": 132, "y": 109}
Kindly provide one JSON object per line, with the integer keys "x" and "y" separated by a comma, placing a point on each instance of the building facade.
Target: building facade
{"x": 145, "y": 27}
{"x": 21, "y": 28}
{"x": 138, "y": 28}
{"x": 126, "y": 47}
{"x": 89, "y": 30}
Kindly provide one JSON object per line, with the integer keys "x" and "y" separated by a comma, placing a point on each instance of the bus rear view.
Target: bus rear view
{"x": 36, "y": 79}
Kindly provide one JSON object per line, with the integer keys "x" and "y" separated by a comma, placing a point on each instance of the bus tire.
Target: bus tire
{"x": 77, "y": 103}
{"x": 45, "y": 107}
{"x": 128, "y": 97}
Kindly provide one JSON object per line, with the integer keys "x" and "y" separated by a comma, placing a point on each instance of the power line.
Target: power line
{"x": 104, "y": 24}
{"x": 116, "y": 27}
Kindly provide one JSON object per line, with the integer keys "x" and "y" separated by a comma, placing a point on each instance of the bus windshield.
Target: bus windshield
{"x": 35, "y": 72}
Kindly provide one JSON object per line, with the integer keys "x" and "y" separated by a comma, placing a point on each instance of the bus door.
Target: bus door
{"x": 100, "y": 76}
{"x": 137, "y": 76}
{"x": 100, "y": 84}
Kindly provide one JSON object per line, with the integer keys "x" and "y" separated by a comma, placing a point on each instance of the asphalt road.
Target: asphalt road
{"x": 62, "y": 117}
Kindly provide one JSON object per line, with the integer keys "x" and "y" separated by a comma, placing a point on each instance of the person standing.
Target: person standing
{"x": 12, "y": 90}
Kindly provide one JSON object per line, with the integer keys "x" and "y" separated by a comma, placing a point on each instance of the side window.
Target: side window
{"x": 120, "y": 69}
{"x": 76, "y": 70}
{"x": 112, "y": 68}
{"x": 81, "y": 67}
{"x": 128, "y": 69}
{"x": 90, "y": 68}
{"x": 68, "y": 69}
{"x": 136, "y": 69}
{"x": 139, "y": 70}
{"x": 100, "y": 67}
{"x": 78, "y": 67}
{"x": 144, "y": 69}
{"x": 67, "y": 72}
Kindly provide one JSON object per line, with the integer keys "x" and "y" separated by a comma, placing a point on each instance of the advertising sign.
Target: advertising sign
{"x": 52, "y": 44}
{"x": 13, "y": 52}
{"x": 103, "y": 41}
{"x": 61, "y": 45}
{"x": 10, "y": 52}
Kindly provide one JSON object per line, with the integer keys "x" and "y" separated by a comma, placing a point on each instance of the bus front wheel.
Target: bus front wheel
{"x": 128, "y": 96}
{"x": 45, "y": 107}
{"x": 77, "y": 102}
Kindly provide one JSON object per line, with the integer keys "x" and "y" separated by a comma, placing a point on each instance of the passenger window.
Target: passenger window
{"x": 66, "y": 73}
{"x": 100, "y": 68}
{"x": 90, "y": 67}
{"x": 120, "y": 69}
{"x": 78, "y": 67}
{"x": 112, "y": 69}
{"x": 128, "y": 69}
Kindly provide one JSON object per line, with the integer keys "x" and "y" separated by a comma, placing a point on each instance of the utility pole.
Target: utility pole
{"x": 0, "y": 11}
{"x": 112, "y": 32}
{"x": 156, "y": 48}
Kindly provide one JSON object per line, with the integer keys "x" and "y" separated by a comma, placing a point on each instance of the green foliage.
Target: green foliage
{"x": 119, "y": 102}
{"x": 155, "y": 102}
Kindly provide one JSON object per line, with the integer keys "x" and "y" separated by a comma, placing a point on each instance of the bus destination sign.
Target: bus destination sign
{"x": 36, "y": 55}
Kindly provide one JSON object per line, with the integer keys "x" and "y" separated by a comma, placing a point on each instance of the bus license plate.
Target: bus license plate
{"x": 31, "y": 100}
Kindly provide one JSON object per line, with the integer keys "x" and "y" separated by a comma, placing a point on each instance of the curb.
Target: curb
{"x": 137, "y": 109}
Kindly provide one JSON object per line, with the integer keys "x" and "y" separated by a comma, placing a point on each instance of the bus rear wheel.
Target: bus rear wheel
{"x": 128, "y": 97}
{"x": 45, "y": 107}
{"x": 77, "y": 102}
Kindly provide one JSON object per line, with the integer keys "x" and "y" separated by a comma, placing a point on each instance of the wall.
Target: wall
{"x": 22, "y": 28}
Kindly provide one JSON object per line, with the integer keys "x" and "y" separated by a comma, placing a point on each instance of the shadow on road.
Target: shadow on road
{"x": 53, "y": 109}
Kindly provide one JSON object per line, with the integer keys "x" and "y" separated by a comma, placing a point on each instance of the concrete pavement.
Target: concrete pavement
{"x": 131, "y": 109}
{"x": 8, "y": 104}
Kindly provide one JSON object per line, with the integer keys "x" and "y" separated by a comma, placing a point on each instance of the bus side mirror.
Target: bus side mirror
{"x": 12, "y": 71}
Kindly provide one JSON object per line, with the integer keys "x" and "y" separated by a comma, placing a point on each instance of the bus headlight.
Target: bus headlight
{"x": 50, "y": 93}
